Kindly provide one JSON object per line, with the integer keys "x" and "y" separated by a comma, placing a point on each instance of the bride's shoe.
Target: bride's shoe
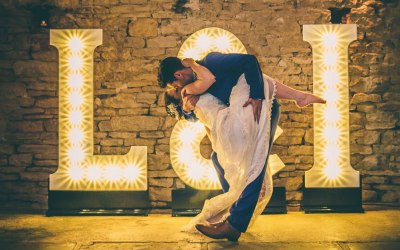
{"x": 225, "y": 230}
{"x": 307, "y": 99}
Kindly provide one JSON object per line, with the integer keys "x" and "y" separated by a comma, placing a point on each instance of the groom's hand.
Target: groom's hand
{"x": 189, "y": 101}
{"x": 257, "y": 105}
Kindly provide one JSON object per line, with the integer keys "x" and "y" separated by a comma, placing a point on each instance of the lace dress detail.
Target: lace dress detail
{"x": 242, "y": 147}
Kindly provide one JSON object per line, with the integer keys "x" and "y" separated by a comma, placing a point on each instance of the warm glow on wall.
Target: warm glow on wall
{"x": 78, "y": 168}
{"x": 331, "y": 121}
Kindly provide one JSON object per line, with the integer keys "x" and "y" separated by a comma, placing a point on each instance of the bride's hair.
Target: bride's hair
{"x": 172, "y": 107}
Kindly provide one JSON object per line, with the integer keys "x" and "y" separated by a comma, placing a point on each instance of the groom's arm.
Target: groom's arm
{"x": 242, "y": 63}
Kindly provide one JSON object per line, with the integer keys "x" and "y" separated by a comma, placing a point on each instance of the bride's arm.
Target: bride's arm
{"x": 204, "y": 78}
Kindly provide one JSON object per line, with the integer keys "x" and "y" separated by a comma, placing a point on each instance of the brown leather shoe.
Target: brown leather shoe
{"x": 220, "y": 232}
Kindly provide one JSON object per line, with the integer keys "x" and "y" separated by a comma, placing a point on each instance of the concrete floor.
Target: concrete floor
{"x": 295, "y": 230}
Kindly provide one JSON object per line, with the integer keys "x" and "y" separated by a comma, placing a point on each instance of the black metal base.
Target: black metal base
{"x": 277, "y": 204}
{"x": 332, "y": 200}
{"x": 98, "y": 203}
{"x": 189, "y": 202}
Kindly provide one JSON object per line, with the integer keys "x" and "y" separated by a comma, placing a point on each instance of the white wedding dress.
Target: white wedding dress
{"x": 241, "y": 145}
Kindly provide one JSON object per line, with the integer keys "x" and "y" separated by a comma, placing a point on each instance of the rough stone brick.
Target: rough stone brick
{"x": 365, "y": 137}
{"x": 111, "y": 142}
{"x": 160, "y": 194}
{"x": 151, "y": 134}
{"x": 137, "y": 123}
{"x": 27, "y": 126}
{"x": 20, "y": 159}
{"x": 47, "y": 103}
{"x": 147, "y": 98}
{"x": 391, "y": 197}
{"x": 139, "y": 142}
{"x": 122, "y": 100}
{"x": 301, "y": 150}
{"x": 361, "y": 98}
{"x": 162, "y": 42}
{"x": 134, "y": 42}
{"x": 369, "y": 196}
{"x": 381, "y": 120}
{"x": 28, "y": 148}
{"x": 35, "y": 68}
{"x": 143, "y": 27}
{"x": 371, "y": 162}
{"x": 161, "y": 182}
{"x": 6, "y": 149}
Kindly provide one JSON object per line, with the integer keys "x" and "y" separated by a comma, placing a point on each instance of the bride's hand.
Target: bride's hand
{"x": 188, "y": 62}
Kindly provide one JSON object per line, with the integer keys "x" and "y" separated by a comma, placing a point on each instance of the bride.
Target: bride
{"x": 240, "y": 141}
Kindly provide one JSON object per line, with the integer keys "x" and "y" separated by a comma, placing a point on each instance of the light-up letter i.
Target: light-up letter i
{"x": 331, "y": 121}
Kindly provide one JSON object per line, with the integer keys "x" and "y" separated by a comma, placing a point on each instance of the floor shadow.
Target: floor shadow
{"x": 24, "y": 235}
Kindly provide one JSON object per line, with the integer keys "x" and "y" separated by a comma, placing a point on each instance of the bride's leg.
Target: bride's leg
{"x": 302, "y": 98}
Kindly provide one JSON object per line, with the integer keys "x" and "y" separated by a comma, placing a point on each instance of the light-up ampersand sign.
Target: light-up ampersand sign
{"x": 78, "y": 168}
{"x": 331, "y": 121}
{"x": 187, "y": 161}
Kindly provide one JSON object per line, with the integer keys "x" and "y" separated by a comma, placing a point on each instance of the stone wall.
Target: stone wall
{"x": 129, "y": 104}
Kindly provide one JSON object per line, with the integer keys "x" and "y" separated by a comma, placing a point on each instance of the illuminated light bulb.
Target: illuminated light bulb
{"x": 331, "y": 114}
{"x": 75, "y": 44}
{"x": 131, "y": 172}
{"x": 76, "y": 154}
{"x": 331, "y": 133}
{"x": 75, "y": 80}
{"x": 75, "y": 135}
{"x": 187, "y": 135}
{"x": 331, "y": 77}
{"x": 75, "y": 62}
{"x": 191, "y": 53}
{"x": 329, "y": 40}
{"x": 198, "y": 127}
{"x": 332, "y": 152}
{"x": 332, "y": 172}
{"x": 211, "y": 175}
{"x": 204, "y": 42}
{"x": 330, "y": 58}
{"x": 195, "y": 171}
{"x": 331, "y": 95}
{"x": 75, "y": 117}
{"x": 75, "y": 99}
{"x": 186, "y": 155}
{"x": 94, "y": 173}
{"x": 223, "y": 43}
{"x": 112, "y": 173}
{"x": 76, "y": 173}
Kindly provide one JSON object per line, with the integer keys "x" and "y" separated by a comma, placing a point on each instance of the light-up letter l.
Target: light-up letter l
{"x": 78, "y": 168}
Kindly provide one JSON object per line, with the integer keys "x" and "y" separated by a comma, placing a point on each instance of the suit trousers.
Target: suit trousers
{"x": 242, "y": 210}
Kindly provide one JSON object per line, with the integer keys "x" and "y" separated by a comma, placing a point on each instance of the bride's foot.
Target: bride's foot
{"x": 305, "y": 99}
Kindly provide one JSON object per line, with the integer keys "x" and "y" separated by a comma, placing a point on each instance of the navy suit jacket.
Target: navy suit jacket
{"x": 227, "y": 68}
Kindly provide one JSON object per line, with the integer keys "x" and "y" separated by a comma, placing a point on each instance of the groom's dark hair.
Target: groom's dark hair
{"x": 167, "y": 69}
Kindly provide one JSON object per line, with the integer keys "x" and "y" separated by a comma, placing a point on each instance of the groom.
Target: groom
{"x": 226, "y": 68}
